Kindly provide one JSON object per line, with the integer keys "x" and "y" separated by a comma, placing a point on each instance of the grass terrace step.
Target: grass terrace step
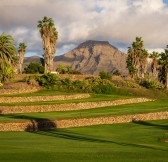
{"x": 46, "y": 124}
{"x": 69, "y": 106}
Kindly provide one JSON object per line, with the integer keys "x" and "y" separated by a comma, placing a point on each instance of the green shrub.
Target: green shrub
{"x": 105, "y": 75}
{"x": 32, "y": 79}
{"x": 65, "y": 69}
{"x": 116, "y": 73}
{"x": 126, "y": 83}
{"x": 34, "y": 68}
{"x": 151, "y": 84}
{"x": 47, "y": 80}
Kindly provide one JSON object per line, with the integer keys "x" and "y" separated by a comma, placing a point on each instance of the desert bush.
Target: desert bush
{"x": 32, "y": 79}
{"x": 91, "y": 85}
{"x": 47, "y": 80}
{"x": 126, "y": 83}
{"x": 150, "y": 83}
{"x": 105, "y": 75}
{"x": 116, "y": 73}
{"x": 62, "y": 69}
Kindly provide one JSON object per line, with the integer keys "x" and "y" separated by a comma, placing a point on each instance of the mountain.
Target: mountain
{"x": 91, "y": 57}
{"x": 28, "y": 60}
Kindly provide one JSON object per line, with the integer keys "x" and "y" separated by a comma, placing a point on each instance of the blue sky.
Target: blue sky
{"x": 116, "y": 21}
{"x": 165, "y": 1}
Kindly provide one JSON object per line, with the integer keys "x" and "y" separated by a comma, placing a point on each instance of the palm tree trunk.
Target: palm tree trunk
{"x": 48, "y": 63}
{"x": 166, "y": 84}
{"x": 20, "y": 68}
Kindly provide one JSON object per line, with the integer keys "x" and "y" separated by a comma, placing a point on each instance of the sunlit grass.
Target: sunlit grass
{"x": 133, "y": 142}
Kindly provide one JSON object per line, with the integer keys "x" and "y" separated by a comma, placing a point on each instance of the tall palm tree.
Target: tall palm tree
{"x": 143, "y": 62}
{"x": 49, "y": 37}
{"x": 154, "y": 65}
{"x": 130, "y": 62}
{"x": 8, "y": 57}
{"x": 21, "y": 50}
{"x": 163, "y": 61}
{"x": 134, "y": 56}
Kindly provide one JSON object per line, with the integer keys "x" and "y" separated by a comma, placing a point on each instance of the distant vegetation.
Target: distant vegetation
{"x": 62, "y": 69}
{"x": 105, "y": 75}
{"x": 137, "y": 62}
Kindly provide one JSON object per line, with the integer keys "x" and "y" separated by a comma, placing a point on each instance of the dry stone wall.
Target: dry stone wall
{"x": 18, "y": 88}
{"x": 42, "y": 98}
{"x": 68, "y": 106}
{"x": 78, "y": 122}
{"x": 111, "y": 119}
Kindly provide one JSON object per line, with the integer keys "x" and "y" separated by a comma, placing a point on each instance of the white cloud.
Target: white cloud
{"x": 79, "y": 20}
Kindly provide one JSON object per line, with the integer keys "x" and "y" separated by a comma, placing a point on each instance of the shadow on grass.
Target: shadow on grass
{"x": 36, "y": 124}
{"x": 47, "y": 127}
{"x": 69, "y": 135}
{"x": 164, "y": 127}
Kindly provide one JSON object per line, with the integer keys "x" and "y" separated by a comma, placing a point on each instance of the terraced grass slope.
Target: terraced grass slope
{"x": 46, "y": 99}
{"x": 140, "y": 141}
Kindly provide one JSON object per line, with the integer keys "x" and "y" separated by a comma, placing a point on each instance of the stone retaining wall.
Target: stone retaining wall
{"x": 67, "y": 123}
{"x": 68, "y": 106}
{"x": 18, "y": 88}
{"x": 72, "y": 76}
{"x": 42, "y": 98}
{"x": 111, "y": 119}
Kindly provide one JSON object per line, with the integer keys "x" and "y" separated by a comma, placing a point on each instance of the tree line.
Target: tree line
{"x": 138, "y": 58}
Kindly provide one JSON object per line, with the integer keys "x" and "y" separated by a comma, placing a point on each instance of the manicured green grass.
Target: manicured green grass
{"x": 93, "y": 98}
{"x": 44, "y": 92}
{"x": 133, "y": 142}
{"x": 158, "y": 105}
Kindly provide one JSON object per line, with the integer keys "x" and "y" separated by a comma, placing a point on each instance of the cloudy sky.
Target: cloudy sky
{"x": 116, "y": 21}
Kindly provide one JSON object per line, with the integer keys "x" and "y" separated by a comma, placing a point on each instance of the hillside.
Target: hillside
{"x": 91, "y": 57}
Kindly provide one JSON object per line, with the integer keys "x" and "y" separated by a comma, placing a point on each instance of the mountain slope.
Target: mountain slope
{"x": 94, "y": 56}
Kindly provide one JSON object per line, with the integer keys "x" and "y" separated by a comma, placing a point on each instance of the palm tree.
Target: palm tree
{"x": 21, "y": 50}
{"x": 163, "y": 61}
{"x": 135, "y": 55}
{"x": 8, "y": 57}
{"x": 154, "y": 65}
{"x": 130, "y": 62}
{"x": 143, "y": 62}
{"x": 49, "y": 37}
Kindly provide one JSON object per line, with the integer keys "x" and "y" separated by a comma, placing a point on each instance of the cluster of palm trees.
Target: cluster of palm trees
{"x": 8, "y": 54}
{"x": 137, "y": 62}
